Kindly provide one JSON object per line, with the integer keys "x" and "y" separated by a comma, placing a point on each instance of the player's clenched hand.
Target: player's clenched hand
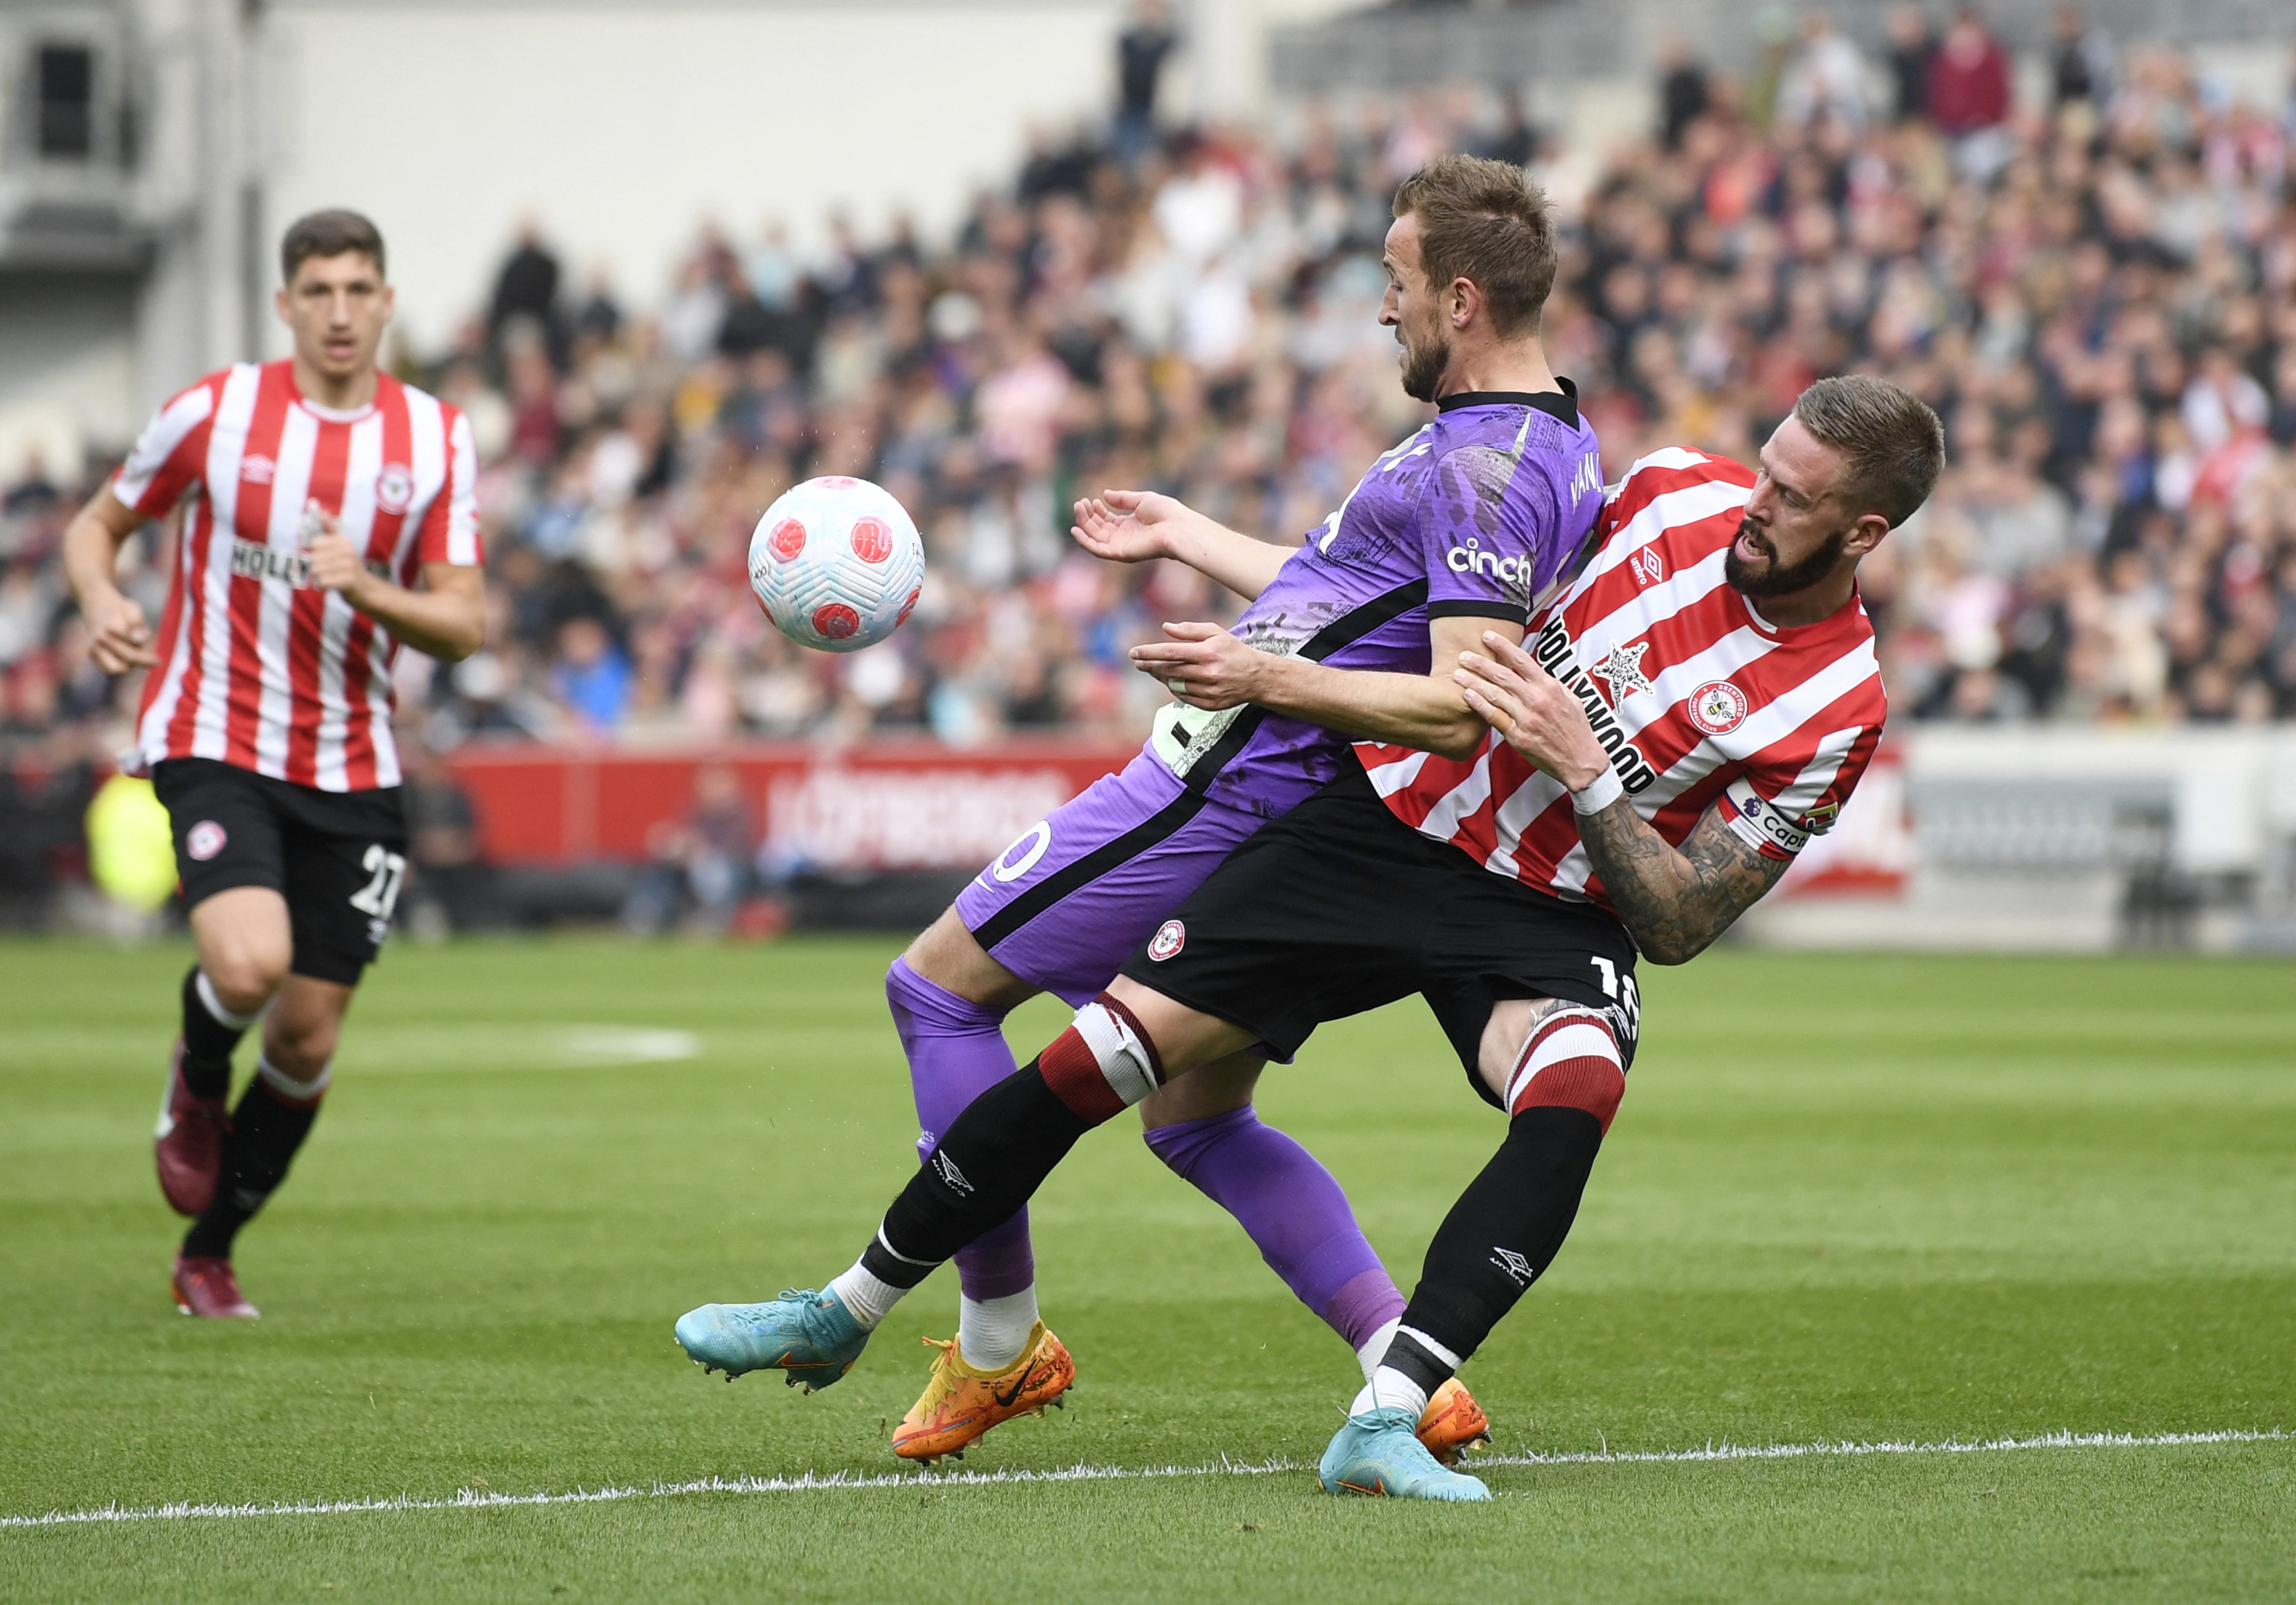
{"x": 336, "y": 564}
{"x": 1204, "y": 666}
{"x": 1539, "y": 717}
{"x": 1130, "y": 526}
{"x": 120, "y": 639}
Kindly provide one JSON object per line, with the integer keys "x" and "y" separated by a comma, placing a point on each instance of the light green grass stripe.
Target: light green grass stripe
{"x": 469, "y": 1499}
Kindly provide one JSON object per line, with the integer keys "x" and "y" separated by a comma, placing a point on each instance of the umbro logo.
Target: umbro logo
{"x": 1518, "y": 1269}
{"x": 946, "y": 1169}
{"x": 1648, "y": 566}
{"x": 257, "y": 469}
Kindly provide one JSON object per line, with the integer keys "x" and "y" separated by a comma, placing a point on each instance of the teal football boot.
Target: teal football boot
{"x": 811, "y": 1336}
{"x": 1379, "y": 1452}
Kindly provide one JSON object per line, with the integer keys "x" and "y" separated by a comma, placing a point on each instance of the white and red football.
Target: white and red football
{"x": 836, "y": 563}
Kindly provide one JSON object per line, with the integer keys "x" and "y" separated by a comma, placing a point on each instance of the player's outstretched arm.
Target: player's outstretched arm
{"x": 119, "y": 635}
{"x": 1134, "y": 526}
{"x": 1206, "y": 666}
{"x": 447, "y": 618}
{"x": 1675, "y": 900}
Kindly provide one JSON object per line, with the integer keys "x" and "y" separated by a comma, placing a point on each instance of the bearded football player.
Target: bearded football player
{"x": 1456, "y": 532}
{"x": 325, "y": 515}
{"x": 1696, "y": 704}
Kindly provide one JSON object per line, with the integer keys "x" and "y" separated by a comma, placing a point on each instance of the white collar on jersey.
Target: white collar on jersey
{"x": 333, "y": 414}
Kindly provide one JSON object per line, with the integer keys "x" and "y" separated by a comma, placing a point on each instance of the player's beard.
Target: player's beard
{"x": 1423, "y": 364}
{"x": 1777, "y": 580}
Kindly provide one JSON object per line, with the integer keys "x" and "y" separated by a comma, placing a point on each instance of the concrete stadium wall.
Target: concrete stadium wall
{"x": 1569, "y": 41}
{"x": 2042, "y": 837}
{"x": 621, "y": 126}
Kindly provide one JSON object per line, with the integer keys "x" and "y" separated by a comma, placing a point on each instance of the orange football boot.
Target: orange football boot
{"x": 1452, "y": 1423}
{"x": 960, "y": 1403}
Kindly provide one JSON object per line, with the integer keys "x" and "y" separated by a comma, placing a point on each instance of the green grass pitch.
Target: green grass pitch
{"x": 1859, "y": 1199}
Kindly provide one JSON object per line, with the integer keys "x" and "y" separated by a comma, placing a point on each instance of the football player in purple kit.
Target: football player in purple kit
{"x": 1459, "y": 530}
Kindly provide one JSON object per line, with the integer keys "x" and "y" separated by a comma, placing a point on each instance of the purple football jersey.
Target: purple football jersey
{"x": 1477, "y": 513}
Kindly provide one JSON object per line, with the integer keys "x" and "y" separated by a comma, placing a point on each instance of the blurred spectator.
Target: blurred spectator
{"x": 600, "y": 316}
{"x": 701, "y": 867}
{"x": 1516, "y": 141}
{"x": 44, "y": 792}
{"x": 1912, "y": 48}
{"x": 1681, "y": 89}
{"x": 1825, "y": 80}
{"x": 2081, "y": 68}
{"x": 452, "y": 887}
{"x": 526, "y": 288}
{"x": 592, "y": 674}
{"x": 1140, "y": 54}
{"x": 1968, "y": 96}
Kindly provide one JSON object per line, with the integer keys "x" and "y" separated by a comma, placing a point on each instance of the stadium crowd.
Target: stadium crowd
{"x": 2098, "y": 293}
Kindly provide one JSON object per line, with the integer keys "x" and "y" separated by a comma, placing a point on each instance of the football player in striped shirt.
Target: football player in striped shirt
{"x": 326, "y": 514}
{"x": 1697, "y": 702}
{"x": 1461, "y": 529}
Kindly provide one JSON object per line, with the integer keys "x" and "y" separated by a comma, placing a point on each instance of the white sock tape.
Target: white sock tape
{"x": 287, "y": 1087}
{"x": 1122, "y": 1057}
{"x": 1565, "y": 1033}
{"x": 214, "y": 1005}
{"x": 1430, "y": 1346}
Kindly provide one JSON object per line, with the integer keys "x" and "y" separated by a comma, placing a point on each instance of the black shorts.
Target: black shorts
{"x": 337, "y": 856}
{"x": 1339, "y": 907}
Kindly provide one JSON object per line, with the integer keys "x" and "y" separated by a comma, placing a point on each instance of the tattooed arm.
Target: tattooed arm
{"x": 1675, "y": 900}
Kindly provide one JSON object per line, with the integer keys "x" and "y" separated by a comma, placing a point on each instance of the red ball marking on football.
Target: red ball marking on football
{"x": 907, "y": 608}
{"x": 837, "y": 481}
{"x": 835, "y": 620}
{"x": 789, "y": 539}
{"x": 873, "y": 542}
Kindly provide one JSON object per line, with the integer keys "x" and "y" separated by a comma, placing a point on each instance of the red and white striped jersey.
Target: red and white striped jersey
{"x": 257, "y": 667}
{"x": 1700, "y": 702}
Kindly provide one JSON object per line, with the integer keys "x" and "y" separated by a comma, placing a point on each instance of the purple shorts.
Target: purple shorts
{"x": 1067, "y": 903}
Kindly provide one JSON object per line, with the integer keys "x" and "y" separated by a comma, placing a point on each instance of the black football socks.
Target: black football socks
{"x": 209, "y": 1035}
{"x": 989, "y": 1161}
{"x": 1499, "y": 1237}
{"x": 266, "y": 1131}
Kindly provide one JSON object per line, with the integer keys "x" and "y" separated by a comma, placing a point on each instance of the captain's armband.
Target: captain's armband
{"x": 1760, "y": 823}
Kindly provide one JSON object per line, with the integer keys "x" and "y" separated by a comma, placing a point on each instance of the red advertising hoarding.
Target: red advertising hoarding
{"x": 921, "y": 806}
{"x": 885, "y": 805}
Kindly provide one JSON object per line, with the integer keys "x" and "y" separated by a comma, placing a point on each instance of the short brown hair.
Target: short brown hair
{"x": 1891, "y": 442}
{"x": 329, "y": 233}
{"x": 1484, "y": 221}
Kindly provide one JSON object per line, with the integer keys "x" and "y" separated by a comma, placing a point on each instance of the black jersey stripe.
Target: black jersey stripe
{"x": 1089, "y": 868}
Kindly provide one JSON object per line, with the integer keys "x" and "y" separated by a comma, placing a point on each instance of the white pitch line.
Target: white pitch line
{"x": 470, "y": 1499}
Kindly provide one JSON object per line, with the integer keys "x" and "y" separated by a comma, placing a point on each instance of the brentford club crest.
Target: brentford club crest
{"x": 394, "y": 488}
{"x": 1718, "y": 708}
{"x": 1170, "y": 938}
{"x": 204, "y": 840}
{"x": 1623, "y": 670}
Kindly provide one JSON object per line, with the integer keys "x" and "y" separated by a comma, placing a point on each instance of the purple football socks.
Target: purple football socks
{"x": 956, "y": 1051}
{"x": 1293, "y": 1210}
